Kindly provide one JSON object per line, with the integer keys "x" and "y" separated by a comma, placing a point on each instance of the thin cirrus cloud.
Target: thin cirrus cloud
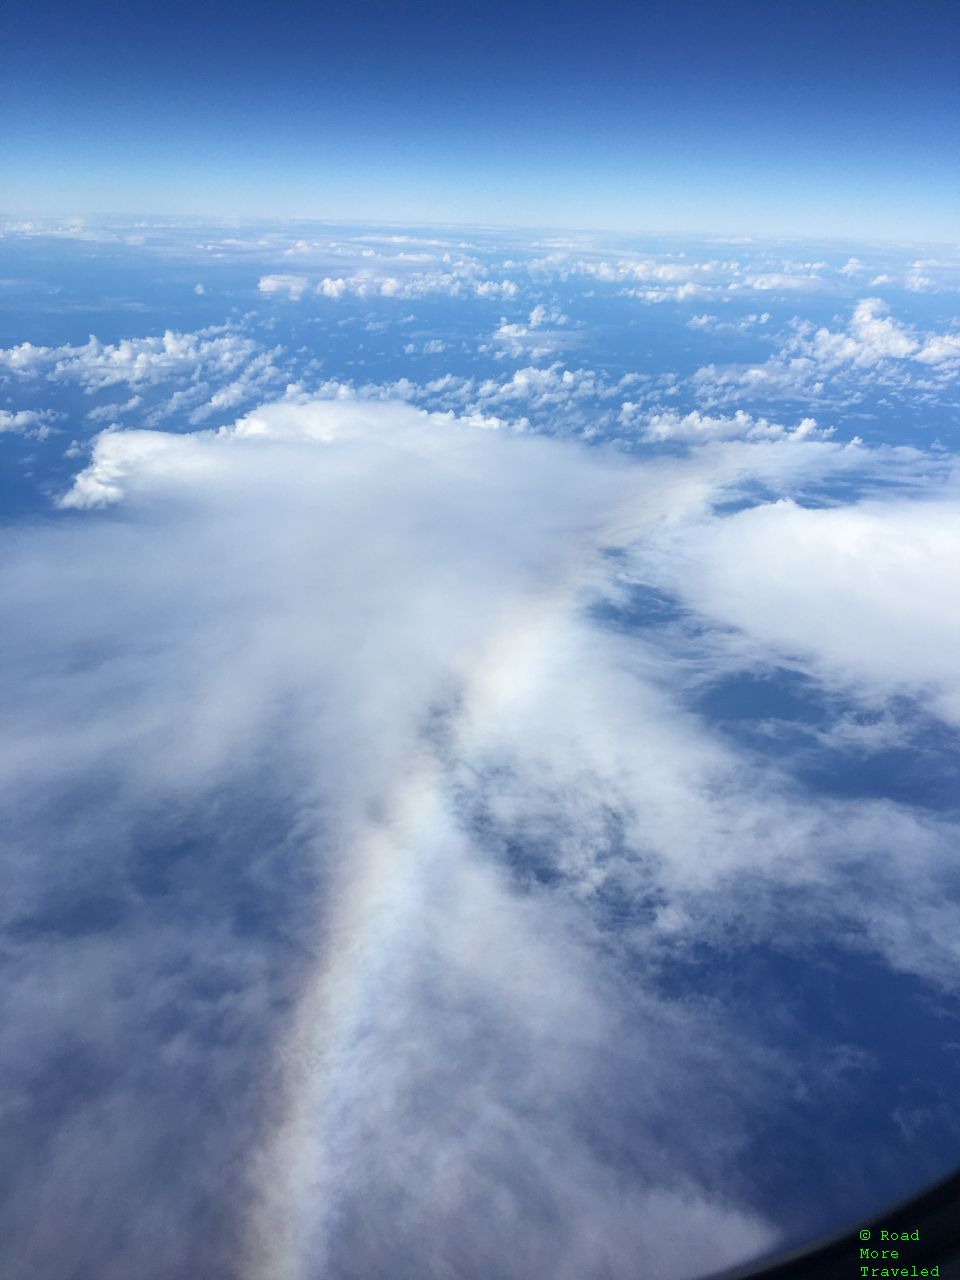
{"x": 273, "y": 748}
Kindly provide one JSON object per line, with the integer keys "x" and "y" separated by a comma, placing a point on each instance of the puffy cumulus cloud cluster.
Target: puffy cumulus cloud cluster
{"x": 815, "y": 357}
{"x": 352, "y": 825}
{"x": 209, "y": 371}
{"x": 539, "y": 337}
{"x": 696, "y": 427}
{"x": 132, "y": 361}
{"x": 933, "y": 275}
{"x": 443, "y": 268}
{"x": 873, "y": 336}
{"x": 298, "y": 261}
{"x": 676, "y": 277}
{"x": 714, "y": 324}
{"x": 578, "y": 401}
{"x": 465, "y": 279}
{"x": 32, "y": 422}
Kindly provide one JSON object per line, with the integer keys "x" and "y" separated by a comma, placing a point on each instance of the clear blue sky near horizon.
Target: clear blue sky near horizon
{"x": 819, "y": 119}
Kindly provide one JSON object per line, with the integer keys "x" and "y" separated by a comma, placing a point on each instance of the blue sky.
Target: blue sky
{"x": 825, "y": 119}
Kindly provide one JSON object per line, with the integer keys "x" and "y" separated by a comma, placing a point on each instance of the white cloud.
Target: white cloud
{"x": 941, "y": 349}
{"x": 113, "y": 412}
{"x": 287, "y": 286}
{"x": 232, "y": 633}
{"x": 780, "y": 281}
{"x": 714, "y": 324}
{"x": 224, "y": 590}
{"x": 215, "y": 351}
{"x": 856, "y": 592}
{"x": 431, "y": 347}
{"x": 873, "y": 336}
{"x": 451, "y": 278}
{"x": 496, "y": 289}
{"x": 874, "y": 344}
{"x": 519, "y": 341}
{"x": 328, "y": 288}
{"x": 696, "y": 427}
{"x": 213, "y": 370}
{"x": 542, "y": 315}
{"x": 32, "y": 422}
{"x": 335, "y": 739}
{"x": 852, "y": 267}
{"x": 671, "y": 293}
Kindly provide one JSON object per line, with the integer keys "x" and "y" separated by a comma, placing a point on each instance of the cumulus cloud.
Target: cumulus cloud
{"x": 676, "y": 277}
{"x": 873, "y": 335}
{"x": 542, "y": 315}
{"x": 527, "y": 341}
{"x": 96, "y": 365}
{"x": 699, "y": 427}
{"x": 671, "y": 293}
{"x": 33, "y": 422}
{"x": 857, "y": 589}
{"x": 113, "y": 412}
{"x": 284, "y": 285}
{"x": 200, "y": 375}
{"x": 451, "y": 278}
{"x": 430, "y": 347}
{"x": 780, "y": 281}
{"x": 873, "y": 343}
{"x": 714, "y": 324}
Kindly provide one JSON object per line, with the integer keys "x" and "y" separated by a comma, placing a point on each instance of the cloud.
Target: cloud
{"x": 496, "y": 289}
{"x": 816, "y": 360}
{"x": 698, "y": 427}
{"x": 855, "y": 591}
{"x": 286, "y": 285}
{"x": 328, "y": 288}
{"x": 207, "y": 373}
{"x": 32, "y": 422}
{"x": 675, "y": 277}
{"x": 780, "y": 281}
{"x": 527, "y": 341}
{"x": 541, "y": 315}
{"x": 431, "y": 347}
{"x": 671, "y": 293}
{"x": 95, "y": 366}
{"x": 852, "y": 267}
{"x": 873, "y": 336}
{"x": 671, "y": 273}
{"x": 463, "y": 278}
{"x": 220, "y": 607}
{"x": 112, "y": 412}
{"x": 714, "y": 324}
{"x": 354, "y": 830}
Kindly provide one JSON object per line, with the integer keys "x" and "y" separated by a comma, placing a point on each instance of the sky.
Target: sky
{"x": 753, "y": 117}
{"x": 479, "y": 764}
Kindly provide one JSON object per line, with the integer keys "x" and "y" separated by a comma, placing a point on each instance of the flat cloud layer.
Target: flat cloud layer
{"x": 351, "y": 838}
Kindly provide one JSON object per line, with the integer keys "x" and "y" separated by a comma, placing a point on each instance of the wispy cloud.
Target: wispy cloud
{"x": 335, "y": 776}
